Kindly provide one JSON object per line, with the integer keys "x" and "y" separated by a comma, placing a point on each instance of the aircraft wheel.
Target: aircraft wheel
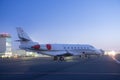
{"x": 55, "y": 58}
{"x": 80, "y": 56}
{"x": 61, "y": 58}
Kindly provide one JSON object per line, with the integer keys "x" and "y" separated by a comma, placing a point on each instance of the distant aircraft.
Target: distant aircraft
{"x": 59, "y": 51}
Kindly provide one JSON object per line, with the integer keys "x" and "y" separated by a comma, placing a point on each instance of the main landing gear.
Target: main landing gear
{"x": 61, "y": 58}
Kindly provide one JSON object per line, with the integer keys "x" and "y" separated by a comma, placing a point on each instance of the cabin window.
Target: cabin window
{"x": 74, "y": 47}
{"x": 81, "y": 47}
{"x": 68, "y": 47}
{"x": 86, "y": 47}
{"x": 71, "y": 47}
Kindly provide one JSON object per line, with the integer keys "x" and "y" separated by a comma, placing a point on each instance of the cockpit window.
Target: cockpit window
{"x": 91, "y": 47}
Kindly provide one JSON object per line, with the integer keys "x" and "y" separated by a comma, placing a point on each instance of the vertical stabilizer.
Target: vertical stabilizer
{"x": 22, "y": 35}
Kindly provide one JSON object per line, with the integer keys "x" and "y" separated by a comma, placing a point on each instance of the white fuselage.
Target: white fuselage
{"x": 63, "y": 49}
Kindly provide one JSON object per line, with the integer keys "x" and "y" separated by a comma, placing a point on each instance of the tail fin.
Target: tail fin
{"x": 22, "y": 35}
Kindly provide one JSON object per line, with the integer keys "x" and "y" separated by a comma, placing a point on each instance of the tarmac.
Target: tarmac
{"x": 73, "y": 68}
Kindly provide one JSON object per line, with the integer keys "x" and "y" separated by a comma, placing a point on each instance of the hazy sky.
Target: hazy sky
{"x": 95, "y": 22}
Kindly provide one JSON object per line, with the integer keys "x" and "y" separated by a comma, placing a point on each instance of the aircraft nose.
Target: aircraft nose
{"x": 101, "y": 51}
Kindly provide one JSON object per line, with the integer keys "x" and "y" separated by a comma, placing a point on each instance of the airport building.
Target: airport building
{"x": 5, "y": 44}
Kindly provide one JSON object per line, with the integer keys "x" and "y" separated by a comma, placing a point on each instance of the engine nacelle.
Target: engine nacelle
{"x": 48, "y": 46}
{"x": 36, "y": 47}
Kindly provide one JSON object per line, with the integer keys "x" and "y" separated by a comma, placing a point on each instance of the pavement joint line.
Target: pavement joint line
{"x": 61, "y": 73}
